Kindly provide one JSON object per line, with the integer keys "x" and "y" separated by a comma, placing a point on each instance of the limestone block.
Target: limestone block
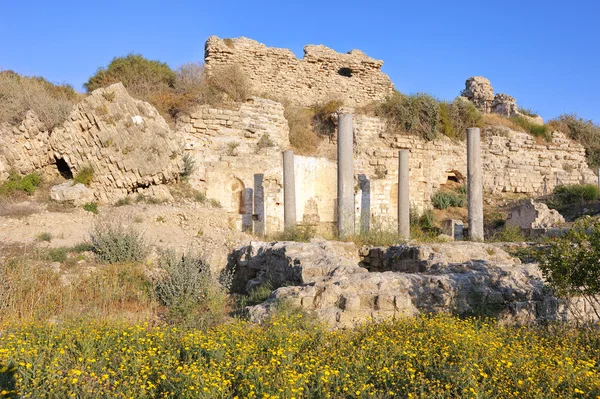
{"x": 77, "y": 194}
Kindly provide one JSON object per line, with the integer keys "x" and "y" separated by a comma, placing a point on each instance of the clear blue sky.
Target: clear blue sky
{"x": 544, "y": 53}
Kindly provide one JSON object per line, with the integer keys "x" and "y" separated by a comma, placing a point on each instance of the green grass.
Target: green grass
{"x": 84, "y": 176}
{"x": 91, "y": 207}
{"x": 534, "y": 129}
{"x": 27, "y": 184}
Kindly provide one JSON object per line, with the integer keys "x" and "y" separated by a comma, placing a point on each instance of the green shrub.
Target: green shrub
{"x": 265, "y": 142}
{"x": 123, "y": 201}
{"x": 585, "y": 132}
{"x": 571, "y": 264}
{"x": 576, "y": 193}
{"x": 27, "y": 184}
{"x": 528, "y": 112}
{"x": 84, "y": 176}
{"x": 298, "y": 233}
{"x": 416, "y": 114}
{"x": 44, "y": 237}
{"x": 534, "y": 129}
{"x": 189, "y": 166}
{"x": 118, "y": 242}
{"x": 187, "y": 288}
{"x": 427, "y": 220}
{"x": 18, "y": 94}
{"x": 91, "y": 207}
{"x": 509, "y": 234}
{"x": 140, "y": 76}
{"x": 446, "y": 199}
{"x": 457, "y": 116}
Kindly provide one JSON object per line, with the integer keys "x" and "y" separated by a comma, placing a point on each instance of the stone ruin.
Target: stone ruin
{"x": 479, "y": 91}
{"x": 531, "y": 215}
{"x": 237, "y": 150}
{"x": 322, "y": 75}
{"x": 126, "y": 142}
{"x": 343, "y": 289}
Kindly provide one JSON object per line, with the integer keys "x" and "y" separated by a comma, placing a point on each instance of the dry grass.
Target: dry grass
{"x": 302, "y": 137}
{"x": 19, "y": 94}
{"x": 17, "y": 210}
{"x": 499, "y": 120}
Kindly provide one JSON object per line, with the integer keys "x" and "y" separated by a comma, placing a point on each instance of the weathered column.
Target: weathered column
{"x": 259, "y": 206}
{"x": 598, "y": 179}
{"x": 345, "y": 176}
{"x": 475, "y": 184}
{"x": 403, "y": 197}
{"x": 289, "y": 191}
{"x": 248, "y": 210}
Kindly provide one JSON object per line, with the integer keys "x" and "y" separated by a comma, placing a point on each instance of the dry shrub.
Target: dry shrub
{"x": 11, "y": 209}
{"x": 19, "y": 94}
{"x": 417, "y": 114}
{"x": 302, "y": 137}
{"x": 499, "y": 120}
{"x": 585, "y": 132}
{"x": 457, "y": 116}
{"x": 324, "y": 117}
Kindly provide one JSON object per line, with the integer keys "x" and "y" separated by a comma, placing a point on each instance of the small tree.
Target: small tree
{"x": 572, "y": 264}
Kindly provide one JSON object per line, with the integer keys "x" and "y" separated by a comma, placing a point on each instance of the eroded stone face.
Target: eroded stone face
{"x": 322, "y": 75}
{"x": 534, "y": 215}
{"x": 125, "y": 141}
{"x": 480, "y": 280}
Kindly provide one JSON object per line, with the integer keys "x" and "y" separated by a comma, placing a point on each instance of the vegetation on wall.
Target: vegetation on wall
{"x": 423, "y": 115}
{"x": 585, "y": 132}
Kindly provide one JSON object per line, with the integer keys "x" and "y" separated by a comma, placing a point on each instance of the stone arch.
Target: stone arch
{"x": 237, "y": 202}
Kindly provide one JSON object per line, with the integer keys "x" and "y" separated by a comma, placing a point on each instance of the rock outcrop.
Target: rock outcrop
{"x": 77, "y": 194}
{"x": 321, "y": 281}
{"x": 531, "y": 215}
{"x": 480, "y": 92}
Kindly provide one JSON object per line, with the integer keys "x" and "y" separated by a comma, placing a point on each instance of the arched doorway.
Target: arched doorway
{"x": 237, "y": 190}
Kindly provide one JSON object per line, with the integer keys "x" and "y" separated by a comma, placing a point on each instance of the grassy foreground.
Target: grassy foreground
{"x": 289, "y": 357}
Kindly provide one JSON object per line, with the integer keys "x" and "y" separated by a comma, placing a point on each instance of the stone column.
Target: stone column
{"x": 475, "y": 184}
{"x": 248, "y": 210}
{"x": 598, "y": 179}
{"x": 345, "y": 176}
{"x": 289, "y": 191}
{"x": 259, "y": 206}
{"x": 403, "y": 197}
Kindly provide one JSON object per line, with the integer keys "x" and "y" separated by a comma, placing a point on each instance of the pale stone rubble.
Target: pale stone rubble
{"x": 479, "y": 91}
{"x": 531, "y": 215}
{"x": 459, "y": 278}
{"x": 77, "y": 194}
{"x": 322, "y": 75}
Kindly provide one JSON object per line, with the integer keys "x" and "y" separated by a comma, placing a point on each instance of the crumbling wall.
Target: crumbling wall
{"x": 322, "y": 75}
{"x": 25, "y": 147}
{"x": 125, "y": 141}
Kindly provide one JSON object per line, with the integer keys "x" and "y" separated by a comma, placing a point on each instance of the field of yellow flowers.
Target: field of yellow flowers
{"x": 288, "y": 357}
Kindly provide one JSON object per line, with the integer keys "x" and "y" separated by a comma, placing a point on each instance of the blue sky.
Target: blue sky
{"x": 544, "y": 53}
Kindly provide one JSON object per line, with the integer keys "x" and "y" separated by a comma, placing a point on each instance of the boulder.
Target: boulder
{"x": 78, "y": 194}
{"x": 531, "y": 215}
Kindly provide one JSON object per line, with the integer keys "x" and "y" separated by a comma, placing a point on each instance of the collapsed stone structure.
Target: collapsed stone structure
{"x": 125, "y": 141}
{"x": 479, "y": 91}
{"x": 459, "y": 278}
{"x": 322, "y": 75}
{"x": 531, "y": 215}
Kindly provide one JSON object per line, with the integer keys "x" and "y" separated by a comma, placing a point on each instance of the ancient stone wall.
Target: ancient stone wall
{"x": 125, "y": 141}
{"x": 322, "y": 75}
{"x": 24, "y": 148}
{"x": 512, "y": 162}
